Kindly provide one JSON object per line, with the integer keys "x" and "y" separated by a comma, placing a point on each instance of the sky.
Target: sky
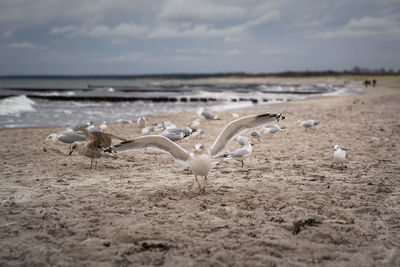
{"x": 84, "y": 37}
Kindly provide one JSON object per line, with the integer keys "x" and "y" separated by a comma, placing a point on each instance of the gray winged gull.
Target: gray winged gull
{"x": 206, "y": 114}
{"x": 241, "y": 153}
{"x": 308, "y": 123}
{"x": 241, "y": 140}
{"x": 272, "y": 129}
{"x": 199, "y": 162}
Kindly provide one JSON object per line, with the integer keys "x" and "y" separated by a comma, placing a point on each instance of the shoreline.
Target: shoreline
{"x": 286, "y": 206}
{"x": 352, "y": 90}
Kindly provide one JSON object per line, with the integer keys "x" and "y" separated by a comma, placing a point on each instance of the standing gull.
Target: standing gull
{"x": 199, "y": 162}
{"x": 67, "y": 137}
{"x": 308, "y": 124}
{"x": 176, "y": 134}
{"x": 241, "y": 153}
{"x": 206, "y": 114}
{"x": 94, "y": 144}
{"x": 272, "y": 129}
{"x": 141, "y": 122}
{"x": 71, "y": 134}
{"x": 77, "y": 127}
{"x": 148, "y": 129}
{"x": 194, "y": 124}
{"x": 340, "y": 155}
{"x": 241, "y": 140}
{"x": 256, "y": 134}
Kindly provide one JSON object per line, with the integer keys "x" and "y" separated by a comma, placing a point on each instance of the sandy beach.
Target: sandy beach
{"x": 286, "y": 207}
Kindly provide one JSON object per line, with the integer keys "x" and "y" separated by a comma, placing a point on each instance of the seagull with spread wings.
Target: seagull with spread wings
{"x": 92, "y": 147}
{"x": 199, "y": 162}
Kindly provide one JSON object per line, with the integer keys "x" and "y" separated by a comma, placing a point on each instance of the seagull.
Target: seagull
{"x": 77, "y": 127}
{"x": 124, "y": 121}
{"x": 93, "y": 145}
{"x": 256, "y": 135}
{"x": 68, "y": 137}
{"x": 141, "y": 122}
{"x": 241, "y": 153}
{"x": 92, "y": 128}
{"x": 199, "y": 162}
{"x": 206, "y": 114}
{"x": 148, "y": 129}
{"x": 176, "y": 134}
{"x": 340, "y": 155}
{"x": 308, "y": 124}
{"x": 197, "y": 132}
{"x": 167, "y": 125}
{"x": 241, "y": 140}
{"x": 173, "y": 136}
{"x": 194, "y": 123}
{"x": 234, "y": 115}
{"x": 272, "y": 129}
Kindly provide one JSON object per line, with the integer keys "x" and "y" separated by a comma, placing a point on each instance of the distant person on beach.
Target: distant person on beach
{"x": 366, "y": 83}
{"x": 373, "y": 82}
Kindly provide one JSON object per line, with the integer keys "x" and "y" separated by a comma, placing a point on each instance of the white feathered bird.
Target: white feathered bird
{"x": 340, "y": 155}
{"x": 308, "y": 123}
{"x": 206, "y": 114}
{"x": 141, "y": 122}
{"x": 241, "y": 153}
{"x": 199, "y": 162}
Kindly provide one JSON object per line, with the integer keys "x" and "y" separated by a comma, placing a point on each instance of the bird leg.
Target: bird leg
{"x": 95, "y": 164}
{"x": 91, "y": 163}
{"x": 242, "y": 163}
{"x": 201, "y": 189}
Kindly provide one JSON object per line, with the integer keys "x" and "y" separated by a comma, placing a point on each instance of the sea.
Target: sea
{"x": 62, "y": 100}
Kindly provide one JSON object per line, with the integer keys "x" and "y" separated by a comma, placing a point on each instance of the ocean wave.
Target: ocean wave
{"x": 15, "y": 105}
{"x": 231, "y": 106}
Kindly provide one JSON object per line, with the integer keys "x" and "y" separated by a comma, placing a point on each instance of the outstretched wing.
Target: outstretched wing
{"x": 235, "y": 127}
{"x": 99, "y": 139}
{"x": 103, "y": 140}
{"x": 157, "y": 142}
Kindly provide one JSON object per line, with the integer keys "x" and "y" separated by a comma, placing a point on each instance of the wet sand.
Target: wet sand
{"x": 286, "y": 207}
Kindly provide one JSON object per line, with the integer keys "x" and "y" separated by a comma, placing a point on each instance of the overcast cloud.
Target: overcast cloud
{"x": 175, "y": 36}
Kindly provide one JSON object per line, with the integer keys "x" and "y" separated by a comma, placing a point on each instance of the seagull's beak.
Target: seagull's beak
{"x": 45, "y": 142}
{"x": 196, "y": 151}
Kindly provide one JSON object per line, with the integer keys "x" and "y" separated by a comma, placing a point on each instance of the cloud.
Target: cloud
{"x": 62, "y": 30}
{"x": 273, "y": 51}
{"x": 209, "y": 30}
{"x": 134, "y": 56}
{"x": 119, "y": 41}
{"x": 232, "y": 52}
{"x": 16, "y": 14}
{"x": 6, "y": 34}
{"x": 122, "y": 30}
{"x": 204, "y": 51}
{"x": 308, "y": 21}
{"x": 23, "y": 45}
{"x": 386, "y": 27}
{"x": 198, "y": 11}
{"x": 175, "y": 19}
